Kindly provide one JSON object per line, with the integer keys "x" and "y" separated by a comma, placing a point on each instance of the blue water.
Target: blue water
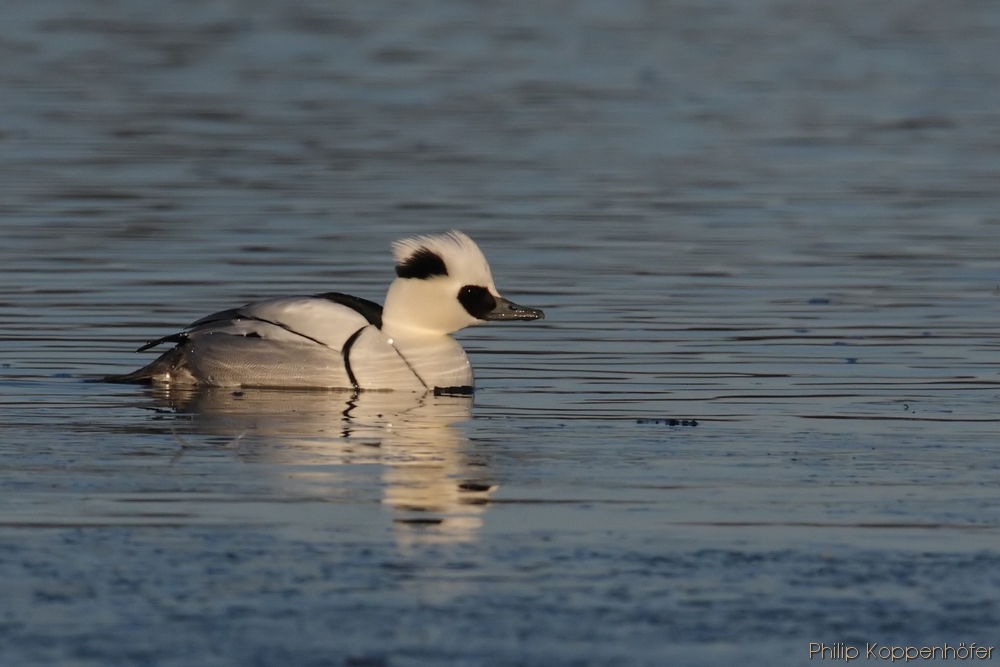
{"x": 760, "y": 412}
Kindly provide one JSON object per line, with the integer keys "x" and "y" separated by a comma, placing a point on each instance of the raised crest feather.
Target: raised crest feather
{"x": 422, "y": 264}
{"x": 458, "y": 254}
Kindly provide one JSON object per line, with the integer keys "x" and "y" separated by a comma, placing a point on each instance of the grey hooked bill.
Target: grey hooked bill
{"x": 508, "y": 310}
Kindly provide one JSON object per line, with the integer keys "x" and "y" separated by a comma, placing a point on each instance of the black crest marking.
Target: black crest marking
{"x": 422, "y": 264}
{"x": 476, "y": 300}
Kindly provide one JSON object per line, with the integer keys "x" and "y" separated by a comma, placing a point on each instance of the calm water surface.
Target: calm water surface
{"x": 777, "y": 220}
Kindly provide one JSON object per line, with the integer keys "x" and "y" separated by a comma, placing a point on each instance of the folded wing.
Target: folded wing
{"x": 327, "y": 319}
{"x": 294, "y": 341}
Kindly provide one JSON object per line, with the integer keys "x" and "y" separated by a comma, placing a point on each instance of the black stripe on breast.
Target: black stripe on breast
{"x": 410, "y": 366}
{"x": 346, "y": 352}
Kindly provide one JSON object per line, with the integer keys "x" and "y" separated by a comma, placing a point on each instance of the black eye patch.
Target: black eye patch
{"x": 476, "y": 300}
{"x": 422, "y": 264}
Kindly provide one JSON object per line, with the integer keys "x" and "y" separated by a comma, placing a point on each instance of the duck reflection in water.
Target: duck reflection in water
{"x": 435, "y": 492}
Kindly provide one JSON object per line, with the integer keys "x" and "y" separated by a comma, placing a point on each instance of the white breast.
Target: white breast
{"x": 410, "y": 364}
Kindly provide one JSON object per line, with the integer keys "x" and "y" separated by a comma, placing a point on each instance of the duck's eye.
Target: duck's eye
{"x": 476, "y": 300}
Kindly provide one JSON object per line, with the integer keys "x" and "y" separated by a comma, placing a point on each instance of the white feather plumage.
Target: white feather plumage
{"x": 337, "y": 341}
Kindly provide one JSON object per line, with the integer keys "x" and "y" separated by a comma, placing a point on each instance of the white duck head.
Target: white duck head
{"x": 444, "y": 284}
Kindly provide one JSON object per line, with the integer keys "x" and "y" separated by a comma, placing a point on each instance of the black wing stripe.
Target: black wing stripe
{"x": 221, "y": 316}
{"x": 286, "y": 328}
{"x": 172, "y": 338}
{"x": 370, "y": 310}
{"x": 184, "y": 336}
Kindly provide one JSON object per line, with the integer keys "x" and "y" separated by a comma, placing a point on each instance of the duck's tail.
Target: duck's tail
{"x": 168, "y": 367}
